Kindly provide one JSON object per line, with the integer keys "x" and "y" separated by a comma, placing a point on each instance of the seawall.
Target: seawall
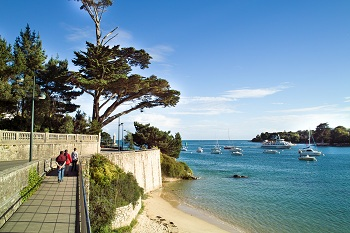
{"x": 144, "y": 164}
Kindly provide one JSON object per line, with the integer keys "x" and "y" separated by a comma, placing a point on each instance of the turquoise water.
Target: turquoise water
{"x": 282, "y": 194}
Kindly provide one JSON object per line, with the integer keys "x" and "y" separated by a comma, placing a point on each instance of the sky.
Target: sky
{"x": 243, "y": 67}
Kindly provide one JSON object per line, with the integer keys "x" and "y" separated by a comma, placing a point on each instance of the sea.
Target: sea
{"x": 281, "y": 193}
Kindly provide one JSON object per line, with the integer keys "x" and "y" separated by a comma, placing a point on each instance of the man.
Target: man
{"x": 61, "y": 163}
{"x": 75, "y": 159}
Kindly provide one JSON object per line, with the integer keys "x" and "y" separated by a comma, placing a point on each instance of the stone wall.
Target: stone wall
{"x": 144, "y": 164}
{"x": 125, "y": 214}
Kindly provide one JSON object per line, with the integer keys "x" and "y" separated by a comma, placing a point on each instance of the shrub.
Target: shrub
{"x": 172, "y": 168}
{"x": 110, "y": 188}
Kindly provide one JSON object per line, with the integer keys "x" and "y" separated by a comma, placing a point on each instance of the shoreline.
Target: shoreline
{"x": 164, "y": 212}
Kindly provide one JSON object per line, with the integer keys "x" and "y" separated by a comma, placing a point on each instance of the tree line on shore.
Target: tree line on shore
{"x": 322, "y": 135}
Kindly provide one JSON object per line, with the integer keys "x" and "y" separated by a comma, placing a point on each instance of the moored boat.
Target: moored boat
{"x": 278, "y": 143}
{"x": 308, "y": 150}
{"x": 199, "y": 150}
{"x": 237, "y": 153}
{"x": 271, "y": 152}
{"x": 307, "y": 158}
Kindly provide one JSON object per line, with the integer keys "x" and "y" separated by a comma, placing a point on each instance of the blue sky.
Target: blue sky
{"x": 242, "y": 67}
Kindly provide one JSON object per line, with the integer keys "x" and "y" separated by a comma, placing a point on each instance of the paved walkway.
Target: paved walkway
{"x": 53, "y": 208}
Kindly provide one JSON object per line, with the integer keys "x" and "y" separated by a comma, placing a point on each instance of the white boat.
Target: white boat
{"x": 308, "y": 150}
{"x": 184, "y": 148}
{"x": 236, "y": 149}
{"x": 237, "y": 153}
{"x": 200, "y": 150}
{"x": 271, "y": 152}
{"x": 307, "y": 158}
{"x": 278, "y": 143}
{"x": 216, "y": 149}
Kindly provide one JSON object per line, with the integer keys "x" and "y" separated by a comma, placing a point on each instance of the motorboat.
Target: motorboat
{"x": 237, "y": 153}
{"x": 271, "y": 152}
{"x": 199, "y": 150}
{"x": 309, "y": 151}
{"x": 236, "y": 149}
{"x": 278, "y": 143}
{"x": 307, "y": 158}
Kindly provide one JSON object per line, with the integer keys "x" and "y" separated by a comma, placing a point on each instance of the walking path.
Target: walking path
{"x": 52, "y": 208}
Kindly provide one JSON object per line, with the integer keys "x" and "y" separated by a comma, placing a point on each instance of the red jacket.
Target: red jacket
{"x": 69, "y": 158}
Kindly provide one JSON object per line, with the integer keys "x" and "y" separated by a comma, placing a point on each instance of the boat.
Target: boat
{"x": 236, "y": 149}
{"x": 278, "y": 143}
{"x": 216, "y": 149}
{"x": 184, "y": 148}
{"x": 307, "y": 158}
{"x": 200, "y": 150}
{"x": 232, "y": 148}
{"x": 271, "y": 152}
{"x": 237, "y": 153}
{"x": 308, "y": 150}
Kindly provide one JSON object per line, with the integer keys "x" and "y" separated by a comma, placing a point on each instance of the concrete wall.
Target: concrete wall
{"x": 144, "y": 164}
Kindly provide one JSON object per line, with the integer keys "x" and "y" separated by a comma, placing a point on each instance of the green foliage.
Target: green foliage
{"x": 110, "y": 188}
{"x": 151, "y": 137}
{"x": 34, "y": 181}
{"x": 172, "y": 168}
{"x": 27, "y": 61}
{"x": 106, "y": 139}
{"x": 126, "y": 229}
{"x": 323, "y": 134}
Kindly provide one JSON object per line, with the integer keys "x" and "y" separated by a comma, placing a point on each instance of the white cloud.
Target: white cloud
{"x": 159, "y": 52}
{"x": 252, "y": 93}
{"x": 309, "y": 109}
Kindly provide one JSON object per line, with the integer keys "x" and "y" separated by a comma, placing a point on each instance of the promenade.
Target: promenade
{"x": 54, "y": 207}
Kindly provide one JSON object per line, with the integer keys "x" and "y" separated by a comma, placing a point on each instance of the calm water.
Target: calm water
{"x": 282, "y": 194}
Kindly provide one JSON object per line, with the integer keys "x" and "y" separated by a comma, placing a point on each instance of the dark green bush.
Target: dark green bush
{"x": 110, "y": 188}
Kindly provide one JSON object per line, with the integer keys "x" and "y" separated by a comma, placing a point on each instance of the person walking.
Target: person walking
{"x": 61, "y": 163}
{"x": 74, "y": 159}
{"x": 68, "y": 161}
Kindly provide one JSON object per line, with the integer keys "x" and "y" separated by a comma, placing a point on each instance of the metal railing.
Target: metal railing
{"x": 84, "y": 209}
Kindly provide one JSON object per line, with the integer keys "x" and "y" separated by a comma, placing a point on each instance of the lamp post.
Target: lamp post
{"x": 122, "y": 136}
{"x": 42, "y": 96}
{"x": 118, "y": 132}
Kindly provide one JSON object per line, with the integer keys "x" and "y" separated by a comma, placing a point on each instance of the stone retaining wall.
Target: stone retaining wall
{"x": 144, "y": 165}
{"x": 125, "y": 214}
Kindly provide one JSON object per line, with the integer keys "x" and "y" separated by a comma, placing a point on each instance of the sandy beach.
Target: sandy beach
{"x": 162, "y": 214}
